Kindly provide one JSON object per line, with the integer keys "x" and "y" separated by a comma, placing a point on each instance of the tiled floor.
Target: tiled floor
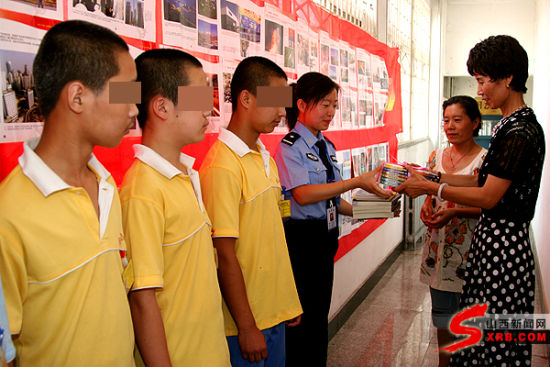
{"x": 392, "y": 326}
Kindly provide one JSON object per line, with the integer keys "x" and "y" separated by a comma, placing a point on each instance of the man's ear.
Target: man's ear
{"x": 245, "y": 98}
{"x": 159, "y": 107}
{"x": 76, "y": 95}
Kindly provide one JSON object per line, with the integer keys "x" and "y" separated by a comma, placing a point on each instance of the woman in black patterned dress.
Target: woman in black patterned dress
{"x": 500, "y": 270}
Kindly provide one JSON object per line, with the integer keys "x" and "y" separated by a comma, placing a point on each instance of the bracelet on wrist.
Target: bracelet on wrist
{"x": 438, "y": 179}
{"x": 440, "y": 190}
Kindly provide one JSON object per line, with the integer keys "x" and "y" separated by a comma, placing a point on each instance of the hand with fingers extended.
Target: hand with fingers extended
{"x": 415, "y": 185}
{"x": 252, "y": 344}
{"x": 368, "y": 182}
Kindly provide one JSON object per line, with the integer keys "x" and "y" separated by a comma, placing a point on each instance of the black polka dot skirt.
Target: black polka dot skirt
{"x": 500, "y": 272}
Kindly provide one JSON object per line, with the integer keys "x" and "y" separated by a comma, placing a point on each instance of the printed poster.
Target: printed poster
{"x": 131, "y": 18}
{"x": 52, "y": 9}
{"x": 21, "y": 117}
{"x": 344, "y": 164}
{"x": 240, "y": 29}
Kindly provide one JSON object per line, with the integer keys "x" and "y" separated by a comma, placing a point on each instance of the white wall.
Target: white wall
{"x": 470, "y": 21}
{"x": 541, "y": 97}
{"x": 352, "y": 270}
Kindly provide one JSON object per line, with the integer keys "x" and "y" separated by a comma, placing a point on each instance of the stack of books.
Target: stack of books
{"x": 367, "y": 206}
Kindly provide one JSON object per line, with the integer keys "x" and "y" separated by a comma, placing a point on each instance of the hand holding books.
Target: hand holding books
{"x": 394, "y": 174}
{"x": 368, "y": 181}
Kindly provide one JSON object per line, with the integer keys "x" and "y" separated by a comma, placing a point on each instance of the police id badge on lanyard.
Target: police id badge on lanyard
{"x": 332, "y": 218}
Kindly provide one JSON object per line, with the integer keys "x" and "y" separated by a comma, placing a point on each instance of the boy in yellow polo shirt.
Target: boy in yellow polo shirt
{"x": 241, "y": 191}
{"x": 61, "y": 237}
{"x": 175, "y": 299}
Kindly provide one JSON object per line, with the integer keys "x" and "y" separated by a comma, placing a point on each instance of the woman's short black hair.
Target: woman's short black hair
{"x": 311, "y": 88}
{"x": 75, "y": 50}
{"x": 469, "y": 105}
{"x": 499, "y": 57}
{"x": 161, "y": 71}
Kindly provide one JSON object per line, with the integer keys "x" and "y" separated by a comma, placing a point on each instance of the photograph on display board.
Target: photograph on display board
{"x": 380, "y": 101}
{"x": 379, "y": 73}
{"x": 370, "y": 165}
{"x": 365, "y": 111}
{"x": 345, "y": 110}
{"x": 352, "y": 68}
{"x": 227, "y": 87}
{"x": 291, "y": 37}
{"x": 325, "y": 59}
{"x": 353, "y": 108}
{"x": 289, "y": 58}
{"x": 212, "y": 80}
{"x": 134, "y": 13}
{"x": 230, "y": 16}
{"x": 344, "y": 58}
{"x": 303, "y": 50}
{"x": 19, "y": 100}
{"x": 43, "y": 8}
{"x": 251, "y": 25}
{"x": 362, "y": 113}
{"x": 49, "y": 4}
{"x": 208, "y": 8}
{"x": 361, "y": 67}
{"x": 273, "y": 37}
{"x": 359, "y": 161}
{"x": 333, "y": 73}
{"x": 250, "y": 32}
{"x": 334, "y": 56}
{"x": 344, "y": 75}
{"x": 181, "y": 11}
{"x": 314, "y": 53}
{"x": 344, "y": 165}
{"x": 208, "y": 35}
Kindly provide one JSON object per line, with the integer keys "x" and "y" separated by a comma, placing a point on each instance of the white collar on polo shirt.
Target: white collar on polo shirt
{"x": 241, "y": 149}
{"x": 48, "y": 182}
{"x": 43, "y": 177}
{"x": 167, "y": 169}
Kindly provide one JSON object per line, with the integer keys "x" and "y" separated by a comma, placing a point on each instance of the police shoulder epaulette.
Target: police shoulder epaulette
{"x": 291, "y": 138}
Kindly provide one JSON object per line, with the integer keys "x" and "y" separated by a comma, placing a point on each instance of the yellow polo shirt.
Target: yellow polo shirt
{"x": 241, "y": 191}
{"x": 61, "y": 268}
{"x": 170, "y": 244}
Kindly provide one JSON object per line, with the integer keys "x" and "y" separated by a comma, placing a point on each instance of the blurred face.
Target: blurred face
{"x": 191, "y": 125}
{"x": 319, "y": 116}
{"x": 265, "y": 119}
{"x": 109, "y": 122}
{"x": 458, "y": 126}
{"x": 493, "y": 92}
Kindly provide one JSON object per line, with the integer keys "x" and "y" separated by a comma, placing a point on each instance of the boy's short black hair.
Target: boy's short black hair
{"x": 469, "y": 105}
{"x": 499, "y": 57}
{"x": 161, "y": 72}
{"x": 75, "y": 50}
{"x": 312, "y": 87}
{"x": 251, "y": 73}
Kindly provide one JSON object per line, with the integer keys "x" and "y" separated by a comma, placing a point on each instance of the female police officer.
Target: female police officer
{"x": 307, "y": 168}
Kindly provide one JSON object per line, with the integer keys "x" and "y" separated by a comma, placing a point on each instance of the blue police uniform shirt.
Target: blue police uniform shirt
{"x": 299, "y": 164}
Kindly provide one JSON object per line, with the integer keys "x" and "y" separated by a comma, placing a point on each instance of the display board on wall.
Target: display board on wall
{"x": 297, "y": 34}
